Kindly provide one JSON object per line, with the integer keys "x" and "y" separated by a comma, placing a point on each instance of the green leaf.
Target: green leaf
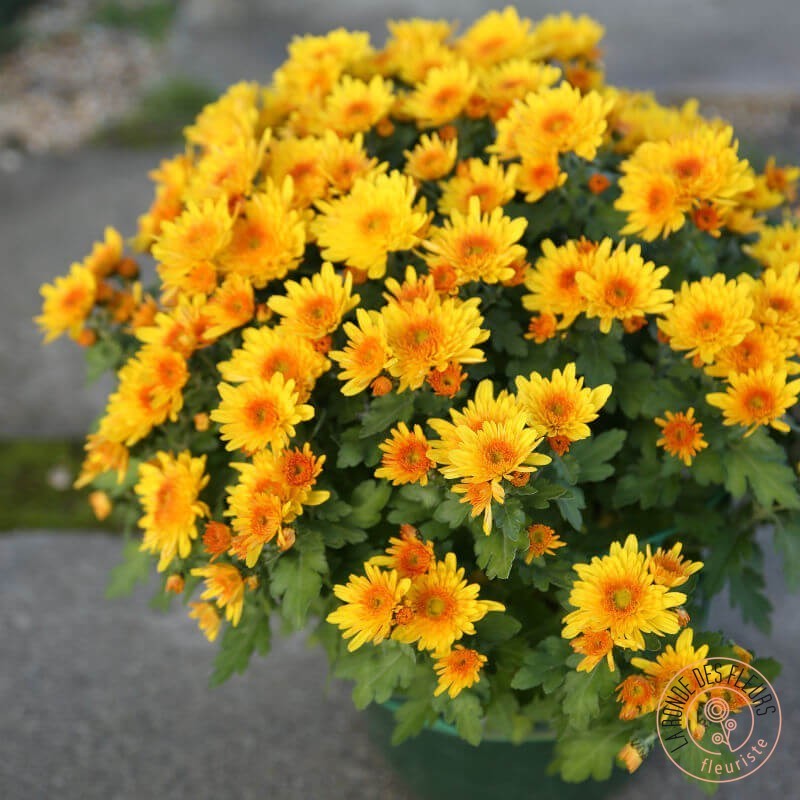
{"x": 412, "y": 717}
{"x": 583, "y": 692}
{"x": 633, "y": 387}
{"x": 385, "y": 412}
{"x": 353, "y": 449}
{"x": 452, "y": 512}
{"x": 593, "y": 454}
{"x": 570, "y": 506}
{"x": 105, "y": 356}
{"x": 507, "y": 334}
{"x": 591, "y": 754}
{"x": 337, "y": 536}
{"x": 509, "y": 518}
{"x": 597, "y": 356}
{"x": 377, "y": 671}
{"x": 466, "y": 713}
{"x": 413, "y": 503}
{"x": 368, "y": 500}
{"x": 135, "y": 568}
{"x": 238, "y": 644}
{"x": 297, "y": 577}
{"x": 494, "y": 628}
{"x": 495, "y": 554}
{"x": 787, "y": 543}
{"x": 545, "y": 666}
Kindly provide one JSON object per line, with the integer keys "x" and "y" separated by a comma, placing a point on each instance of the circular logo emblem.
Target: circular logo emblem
{"x": 719, "y": 720}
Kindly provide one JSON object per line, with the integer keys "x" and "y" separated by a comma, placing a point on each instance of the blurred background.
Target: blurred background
{"x": 109, "y": 699}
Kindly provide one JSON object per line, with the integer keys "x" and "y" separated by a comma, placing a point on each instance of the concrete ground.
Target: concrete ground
{"x": 105, "y": 699}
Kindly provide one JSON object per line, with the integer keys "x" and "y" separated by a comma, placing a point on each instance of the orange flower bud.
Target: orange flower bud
{"x": 598, "y": 183}
{"x": 86, "y": 338}
{"x": 381, "y": 386}
{"x": 100, "y": 504}
{"x": 175, "y": 584}
{"x": 201, "y": 421}
{"x": 128, "y": 268}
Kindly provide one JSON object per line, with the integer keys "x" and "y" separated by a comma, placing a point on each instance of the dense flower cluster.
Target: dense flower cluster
{"x": 461, "y": 286}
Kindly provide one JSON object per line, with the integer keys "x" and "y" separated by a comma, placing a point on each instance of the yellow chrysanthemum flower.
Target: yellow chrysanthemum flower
{"x": 231, "y": 306}
{"x": 681, "y": 435}
{"x": 370, "y": 602}
{"x": 366, "y": 354}
{"x": 182, "y": 329}
{"x": 106, "y": 255}
{"x": 565, "y": 37}
{"x": 188, "y": 248}
{"x": 68, "y": 301}
{"x": 268, "y": 237}
{"x": 669, "y": 568}
{"x": 208, "y": 619}
{"x": 480, "y": 247}
{"x": 594, "y": 646}
{"x": 616, "y": 593}
{"x": 674, "y": 659}
{"x": 406, "y": 456}
{"x": 314, "y": 307}
{"x": 168, "y": 491}
{"x": 488, "y": 181}
{"x": 354, "y": 106}
{"x": 345, "y": 160}
{"x": 408, "y": 554}
{"x": 637, "y": 695}
{"x": 102, "y": 455}
{"x": 553, "y": 120}
{"x": 259, "y": 413}
{"x": 431, "y": 157}
{"x": 542, "y": 541}
{"x": 502, "y": 85}
{"x": 457, "y": 670}
{"x": 553, "y": 279}
{"x": 442, "y": 96}
{"x": 299, "y": 158}
{"x": 495, "y": 37}
{"x": 776, "y": 300}
{"x": 759, "y": 348}
{"x": 623, "y": 286}
{"x": 224, "y": 584}
{"x": 652, "y": 200}
{"x": 256, "y": 519}
{"x": 268, "y": 351}
{"x": 422, "y": 337}
{"x": 378, "y": 217}
{"x": 560, "y": 406}
{"x": 414, "y": 287}
{"x": 707, "y": 316}
{"x": 538, "y": 175}
{"x": 444, "y": 608}
{"x": 755, "y": 398}
{"x": 777, "y": 245}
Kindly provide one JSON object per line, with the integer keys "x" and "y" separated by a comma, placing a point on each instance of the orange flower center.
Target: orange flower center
{"x": 759, "y": 402}
{"x": 261, "y": 414}
{"x": 708, "y": 322}
{"x": 557, "y": 122}
{"x": 619, "y": 292}
{"x": 475, "y": 245}
{"x": 689, "y": 167}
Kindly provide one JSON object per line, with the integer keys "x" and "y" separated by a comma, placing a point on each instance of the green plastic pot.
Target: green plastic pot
{"x": 439, "y": 765}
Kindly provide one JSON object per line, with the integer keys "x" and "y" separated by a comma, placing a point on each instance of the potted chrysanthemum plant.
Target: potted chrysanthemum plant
{"x": 478, "y": 366}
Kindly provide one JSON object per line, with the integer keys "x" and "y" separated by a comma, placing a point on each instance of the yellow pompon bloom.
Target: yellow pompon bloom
{"x": 181, "y": 330}
{"x": 170, "y": 178}
{"x": 224, "y": 584}
{"x": 776, "y": 297}
{"x": 268, "y": 237}
{"x": 345, "y": 160}
{"x": 378, "y": 217}
{"x": 354, "y": 106}
{"x": 782, "y": 180}
{"x": 637, "y": 695}
{"x": 431, "y": 157}
{"x": 681, "y": 435}
{"x": 366, "y": 354}
{"x": 256, "y": 519}
{"x": 594, "y": 646}
{"x": 480, "y": 247}
{"x": 756, "y": 398}
{"x": 370, "y": 601}
{"x": 553, "y": 120}
{"x": 168, "y": 490}
{"x": 409, "y": 555}
{"x": 413, "y": 67}
{"x": 495, "y": 37}
{"x": 500, "y": 86}
{"x": 414, "y": 287}
{"x": 208, "y": 619}
{"x": 542, "y": 541}
{"x": 150, "y": 391}
{"x": 761, "y": 347}
{"x": 651, "y": 198}
{"x": 622, "y": 286}
{"x": 422, "y": 337}
{"x": 259, "y": 413}
{"x": 480, "y": 497}
{"x": 488, "y": 181}
{"x": 68, "y": 301}
{"x": 406, "y": 456}
{"x": 777, "y": 245}
{"x": 674, "y": 658}
{"x": 231, "y": 306}
{"x": 444, "y": 607}
{"x": 560, "y": 406}
{"x": 188, "y": 248}
{"x": 268, "y": 351}
{"x": 564, "y": 36}
{"x": 442, "y": 96}
{"x": 553, "y": 279}
{"x": 669, "y": 568}
{"x": 459, "y": 669}
{"x": 105, "y": 255}
{"x": 314, "y": 307}
{"x": 616, "y": 593}
{"x": 538, "y": 175}
{"x": 707, "y": 316}
{"x": 102, "y": 455}
{"x": 301, "y": 160}
{"x": 493, "y": 453}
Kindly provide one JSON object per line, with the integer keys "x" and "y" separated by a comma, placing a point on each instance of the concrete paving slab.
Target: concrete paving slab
{"x": 109, "y": 699}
